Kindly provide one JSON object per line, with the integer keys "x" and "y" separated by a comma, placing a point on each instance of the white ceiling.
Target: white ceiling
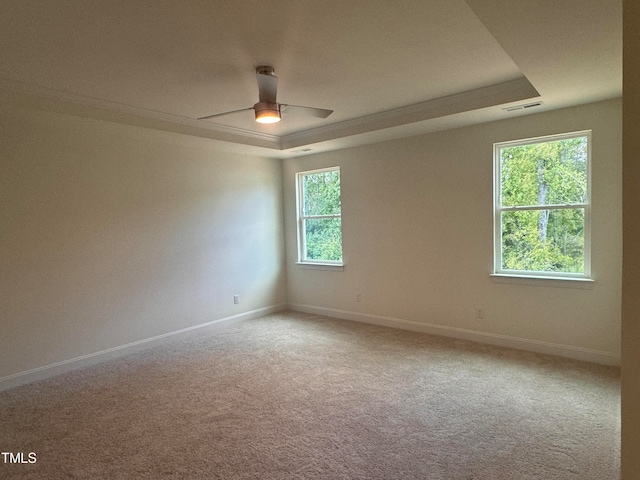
{"x": 387, "y": 69}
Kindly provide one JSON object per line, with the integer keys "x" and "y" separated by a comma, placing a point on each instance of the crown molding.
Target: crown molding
{"x": 494, "y": 95}
{"x": 64, "y": 102}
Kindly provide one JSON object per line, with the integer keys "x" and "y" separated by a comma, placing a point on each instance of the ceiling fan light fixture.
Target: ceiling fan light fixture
{"x": 268, "y": 116}
{"x": 267, "y": 112}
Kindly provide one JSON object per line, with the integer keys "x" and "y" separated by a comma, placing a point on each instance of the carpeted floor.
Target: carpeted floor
{"x": 297, "y": 396}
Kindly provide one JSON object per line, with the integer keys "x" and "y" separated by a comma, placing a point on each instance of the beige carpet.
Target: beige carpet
{"x": 296, "y": 396}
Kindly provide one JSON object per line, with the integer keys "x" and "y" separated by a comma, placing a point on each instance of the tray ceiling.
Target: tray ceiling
{"x": 387, "y": 69}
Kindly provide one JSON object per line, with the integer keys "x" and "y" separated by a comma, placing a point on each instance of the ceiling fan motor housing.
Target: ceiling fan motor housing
{"x": 266, "y": 70}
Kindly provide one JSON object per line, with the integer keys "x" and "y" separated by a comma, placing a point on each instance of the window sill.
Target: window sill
{"x": 338, "y": 267}
{"x": 542, "y": 281}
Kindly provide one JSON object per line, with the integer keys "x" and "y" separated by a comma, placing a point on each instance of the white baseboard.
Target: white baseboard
{"x": 567, "y": 351}
{"x": 57, "y": 368}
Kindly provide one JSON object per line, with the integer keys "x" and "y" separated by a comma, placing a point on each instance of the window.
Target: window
{"x": 542, "y": 217}
{"x": 319, "y": 216}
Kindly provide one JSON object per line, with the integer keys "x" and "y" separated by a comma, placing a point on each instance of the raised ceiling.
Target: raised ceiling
{"x": 387, "y": 69}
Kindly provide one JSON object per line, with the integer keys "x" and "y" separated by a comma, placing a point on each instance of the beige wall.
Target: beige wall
{"x": 112, "y": 234}
{"x": 417, "y": 236}
{"x": 631, "y": 271}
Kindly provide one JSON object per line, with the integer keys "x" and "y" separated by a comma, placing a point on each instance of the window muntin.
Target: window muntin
{"x": 542, "y": 214}
{"x": 319, "y": 216}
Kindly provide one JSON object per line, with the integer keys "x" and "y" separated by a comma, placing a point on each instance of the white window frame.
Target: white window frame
{"x": 302, "y": 218}
{"x": 498, "y": 209}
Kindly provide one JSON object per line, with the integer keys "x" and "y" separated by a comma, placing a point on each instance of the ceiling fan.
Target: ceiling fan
{"x": 268, "y": 110}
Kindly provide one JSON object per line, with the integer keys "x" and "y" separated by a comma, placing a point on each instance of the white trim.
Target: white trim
{"x": 493, "y": 95}
{"x": 498, "y": 209}
{"x": 321, "y": 265}
{"x": 566, "y": 206}
{"x": 47, "y": 371}
{"x": 567, "y": 351}
{"x": 71, "y": 98}
{"x": 142, "y": 116}
{"x": 301, "y": 218}
{"x": 490, "y": 96}
{"x": 548, "y": 281}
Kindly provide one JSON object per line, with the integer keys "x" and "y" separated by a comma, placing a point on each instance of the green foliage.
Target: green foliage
{"x": 561, "y": 251}
{"x": 550, "y": 173}
{"x": 322, "y": 197}
{"x": 324, "y": 239}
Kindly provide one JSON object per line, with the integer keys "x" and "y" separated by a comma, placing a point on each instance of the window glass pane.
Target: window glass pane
{"x": 543, "y": 240}
{"x": 321, "y": 193}
{"x": 545, "y": 173}
{"x": 323, "y": 238}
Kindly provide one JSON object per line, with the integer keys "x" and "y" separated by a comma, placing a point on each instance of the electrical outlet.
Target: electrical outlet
{"x": 358, "y": 297}
{"x": 236, "y": 299}
{"x": 479, "y": 313}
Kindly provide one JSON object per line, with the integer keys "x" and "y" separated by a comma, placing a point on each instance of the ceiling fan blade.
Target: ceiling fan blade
{"x": 225, "y": 113}
{"x": 314, "y": 112}
{"x": 267, "y": 87}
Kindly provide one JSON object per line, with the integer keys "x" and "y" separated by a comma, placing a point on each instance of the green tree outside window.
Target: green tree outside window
{"x": 320, "y": 222}
{"x": 542, "y": 204}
